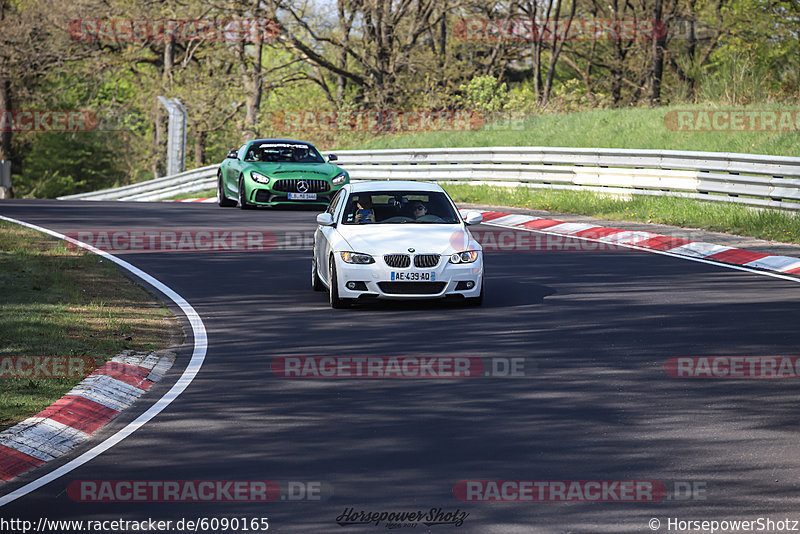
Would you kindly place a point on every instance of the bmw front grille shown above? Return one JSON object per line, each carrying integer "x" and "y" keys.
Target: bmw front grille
{"x": 398, "y": 261}
{"x": 426, "y": 261}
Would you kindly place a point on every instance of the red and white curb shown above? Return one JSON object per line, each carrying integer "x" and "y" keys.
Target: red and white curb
{"x": 785, "y": 265}
{"x": 203, "y": 200}
{"x": 87, "y": 407}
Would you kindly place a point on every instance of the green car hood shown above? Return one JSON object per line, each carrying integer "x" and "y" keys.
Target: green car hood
{"x": 291, "y": 170}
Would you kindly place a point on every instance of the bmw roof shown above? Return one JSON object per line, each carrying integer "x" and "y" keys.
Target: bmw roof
{"x": 393, "y": 185}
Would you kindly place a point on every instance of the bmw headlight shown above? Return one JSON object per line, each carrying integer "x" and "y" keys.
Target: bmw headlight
{"x": 464, "y": 257}
{"x": 258, "y": 177}
{"x": 357, "y": 258}
{"x": 339, "y": 179}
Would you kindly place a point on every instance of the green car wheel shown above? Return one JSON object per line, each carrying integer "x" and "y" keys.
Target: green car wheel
{"x": 222, "y": 200}
{"x": 243, "y": 204}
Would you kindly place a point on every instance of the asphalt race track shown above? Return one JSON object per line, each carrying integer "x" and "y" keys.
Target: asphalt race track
{"x": 594, "y": 404}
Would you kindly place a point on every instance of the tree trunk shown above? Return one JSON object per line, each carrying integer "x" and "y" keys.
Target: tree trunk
{"x": 5, "y": 105}
{"x": 169, "y": 62}
{"x": 536, "y": 49}
{"x": 254, "y": 86}
{"x": 5, "y": 136}
{"x": 158, "y": 151}
{"x": 5, "y": 102}
{"x": 556, "y": 51}
{"x": 691, "y": 51}
{"x": 159, "y": 148}
{"x": 657, "y": 72}
{"x": 341, "y": 52}
{"x": 200, "y": 147}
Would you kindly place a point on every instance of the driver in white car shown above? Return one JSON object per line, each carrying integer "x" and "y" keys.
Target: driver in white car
{"x": 420, "y": 209}
{"x": 364, "y": 211}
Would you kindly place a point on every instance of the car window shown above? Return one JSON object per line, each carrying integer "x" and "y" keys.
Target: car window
{"x": 335, "y": 202}
{"x": 241, "y": 151}
{"x": 399, "y": 207}
{"x": 273, "y": 152}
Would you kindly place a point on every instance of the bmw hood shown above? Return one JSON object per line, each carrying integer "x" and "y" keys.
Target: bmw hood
{"x": 379, "y": 239}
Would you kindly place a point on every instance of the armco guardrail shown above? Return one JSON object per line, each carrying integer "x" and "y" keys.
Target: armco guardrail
{"x": 757, "y": 180}
{"x": 160, "y": 188}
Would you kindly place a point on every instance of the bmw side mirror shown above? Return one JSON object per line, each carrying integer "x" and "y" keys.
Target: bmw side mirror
{"x": 325, "y": 219}
{"x": 333, "y": 157}
{"x": 233, "y": 154}
{"x": 473, "y": 217}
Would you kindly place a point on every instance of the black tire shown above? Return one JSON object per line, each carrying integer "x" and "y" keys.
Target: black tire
{"x": 316, "y": 283}
{"x": 222, "y": 200}
{"x": 243, "y": 204}
{"x": 333, "y": 289}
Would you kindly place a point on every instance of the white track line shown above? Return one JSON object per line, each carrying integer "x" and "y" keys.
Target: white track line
{"x": 662, "y": 252}
{"x": 198, "y": 355}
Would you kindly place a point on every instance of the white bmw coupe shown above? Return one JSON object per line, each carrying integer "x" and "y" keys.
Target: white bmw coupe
{"x": 396, "y": 240}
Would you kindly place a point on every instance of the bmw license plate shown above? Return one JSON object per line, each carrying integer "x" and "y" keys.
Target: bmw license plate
{"x": 413, "y": 277}
{"x": 302, "y": 196}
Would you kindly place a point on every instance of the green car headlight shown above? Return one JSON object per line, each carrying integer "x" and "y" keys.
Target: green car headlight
{"x": 357, "y": 258}
{"x": 260, "y": 178}
{"x": 339, "y": 179}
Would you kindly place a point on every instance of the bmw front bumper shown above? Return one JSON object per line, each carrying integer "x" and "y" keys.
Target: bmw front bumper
{"x": 379, "y": 280}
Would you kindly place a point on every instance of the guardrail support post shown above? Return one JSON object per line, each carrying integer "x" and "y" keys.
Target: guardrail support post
{"x": 5, "y": 179}
{"x": 176, "y": 137}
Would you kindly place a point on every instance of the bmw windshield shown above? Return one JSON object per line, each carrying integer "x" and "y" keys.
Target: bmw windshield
{"x": 399, "y": 207}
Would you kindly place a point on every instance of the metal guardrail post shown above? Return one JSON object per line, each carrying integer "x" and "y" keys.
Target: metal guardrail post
{"x": 176, "y": 136}
{"x": 5, "y": 178}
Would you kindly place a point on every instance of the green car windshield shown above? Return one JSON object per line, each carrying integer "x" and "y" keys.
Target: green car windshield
{"x": 399, "y": 207}
{"x": 283, "y": 153}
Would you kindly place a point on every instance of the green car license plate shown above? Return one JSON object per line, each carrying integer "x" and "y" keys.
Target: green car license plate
{"x": 302, "y": 196}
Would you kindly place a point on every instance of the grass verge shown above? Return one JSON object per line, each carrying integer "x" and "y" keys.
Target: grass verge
{"x": 59, "y": 301}
{"x": 636, "y": 128}
{"x": 687, "y": 213}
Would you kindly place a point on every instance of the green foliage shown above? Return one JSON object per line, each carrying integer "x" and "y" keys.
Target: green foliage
{"x": 571, "y": 95}
{"x": 61, "y": 164}
{"x": 484, "y": 94}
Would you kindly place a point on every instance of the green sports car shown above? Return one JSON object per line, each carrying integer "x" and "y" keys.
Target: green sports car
{"x": 273, "y": 172}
